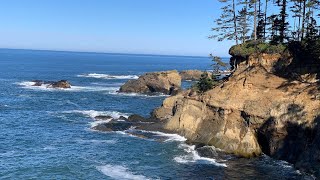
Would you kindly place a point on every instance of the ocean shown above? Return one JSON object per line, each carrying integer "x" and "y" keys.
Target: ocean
{"x": 45, "y": 133}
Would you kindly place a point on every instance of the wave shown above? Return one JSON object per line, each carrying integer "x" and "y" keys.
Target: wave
{"x": 30, "y": 85}
{"x": 136, "y": 94}
{"x": 95, "y": 141}
{"x": 92, "y": 114}
{"x": 193, "y": 157}
{"x": 119, "y": 172}
{"x": 108, "y": 76}
{"x": 170, "y": 137}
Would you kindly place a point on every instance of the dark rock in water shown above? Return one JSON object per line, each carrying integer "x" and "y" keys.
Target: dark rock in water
{"x": 52, "y": 84}
{"x": 37, "y": 82}
{"x": 60, "y": 84}
{"x": 167, "y": 82}
{"x": 136, "y": 118}
{"x": 207, "y": 151}
{"x": 122, "y": 118}
{"x": 102, "y": 117}
{"x": 113, "y": 126}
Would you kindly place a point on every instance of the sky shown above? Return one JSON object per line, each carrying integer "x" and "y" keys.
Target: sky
{"x": 168, "y": 27}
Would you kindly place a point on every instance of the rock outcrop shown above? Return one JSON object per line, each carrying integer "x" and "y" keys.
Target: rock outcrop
{"x": 192, "y": 75}
{"x": 53, "y": 84}
{"x": 253, "y": 112}
{"x": 167, "y": 82}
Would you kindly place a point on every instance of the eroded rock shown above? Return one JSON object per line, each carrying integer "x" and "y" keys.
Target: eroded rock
{"x": 167, "y": 82}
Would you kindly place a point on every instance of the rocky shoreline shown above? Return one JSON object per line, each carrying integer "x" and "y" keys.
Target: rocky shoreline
{"x": 254, "y": 111}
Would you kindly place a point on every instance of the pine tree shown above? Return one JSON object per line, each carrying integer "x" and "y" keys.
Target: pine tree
{"x": 243, "y": 24}
{"x": 283, "y": 24}
{"x": 227, "y": 22}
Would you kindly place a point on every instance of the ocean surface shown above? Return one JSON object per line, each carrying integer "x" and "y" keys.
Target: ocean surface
{"x": 45, "y": 133}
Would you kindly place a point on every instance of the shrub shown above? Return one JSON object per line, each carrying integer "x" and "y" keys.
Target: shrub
{"x": 256, "y": 47}
{"x": 205, "y": 83}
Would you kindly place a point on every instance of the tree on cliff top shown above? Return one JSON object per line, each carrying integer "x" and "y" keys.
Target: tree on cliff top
{"x": 289, "y": 20}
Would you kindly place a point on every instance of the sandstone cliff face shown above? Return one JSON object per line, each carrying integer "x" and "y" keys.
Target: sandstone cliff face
{"x": 254, "y": 111}
{"x": 268, "y": 61}
{"x": 167, "y": 82}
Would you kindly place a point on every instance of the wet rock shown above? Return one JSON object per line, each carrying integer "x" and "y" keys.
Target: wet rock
{"x": 207, "y": 151}
{"x": 102, "y": 117}
{"x": 52, "y": 84}
{"x": 113, "y": 126}
{"x": 38, "y": 83}
{"x": 60, "y": 84}
{"x": 122, "y": 118}
{"x": 167, "y": 82}
{"x": 136, "y": 118}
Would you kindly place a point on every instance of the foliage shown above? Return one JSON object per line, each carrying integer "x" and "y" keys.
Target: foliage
{"x": 288, "y": 20}
{"x": 256, "y": 47}
{"x": 205, "y": 83}
{"x": 226, "y": 24}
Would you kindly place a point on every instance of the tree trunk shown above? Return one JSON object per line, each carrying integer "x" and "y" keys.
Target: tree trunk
{"x": 303, "y": 19}
{"x": 235, "y": 21}
{"x": 255, "y": 20}
{"x": 265, "y": 20}
{"x": 299, "y": 24}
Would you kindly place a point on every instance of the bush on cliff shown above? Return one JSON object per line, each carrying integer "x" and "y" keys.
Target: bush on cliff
{"x": 205, "y": 83}
{"x": 256, "y": 47}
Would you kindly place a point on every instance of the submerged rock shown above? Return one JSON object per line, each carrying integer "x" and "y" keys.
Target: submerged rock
{"x": 113, "y": 126}
{"x": 136, "y": 118}
{"x": 52, "y": 84}
{"x": 167, "y": 82}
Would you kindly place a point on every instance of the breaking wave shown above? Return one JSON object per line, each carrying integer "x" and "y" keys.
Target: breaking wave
{"x": 44, "y": 87}
{"x": 192, "y": 156}
{"x": 119, "y": 172}
{"x": 108, "y": 76}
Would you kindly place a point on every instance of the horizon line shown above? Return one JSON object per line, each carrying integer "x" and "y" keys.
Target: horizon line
{"x": 111, "y": 53}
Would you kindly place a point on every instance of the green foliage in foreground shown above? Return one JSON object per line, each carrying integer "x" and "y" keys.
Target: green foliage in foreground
{"x": 256, "y": 47}
{"x": 206, "y": 83}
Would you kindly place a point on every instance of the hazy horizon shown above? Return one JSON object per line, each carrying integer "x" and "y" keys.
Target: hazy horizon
{"x": 114, "y": 26}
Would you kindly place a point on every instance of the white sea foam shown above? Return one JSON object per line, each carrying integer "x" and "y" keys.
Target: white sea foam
{"x": 48, "y": 148}
{"x": 135, "y": 94}
{"x": 119, "y": 172}
{"x": 92, "y": 114}
{"x": 192, "y": 156}
{"x": 108, "y": 76}
{"x": 171, "y": 137}
{"x": 44, "y": 87}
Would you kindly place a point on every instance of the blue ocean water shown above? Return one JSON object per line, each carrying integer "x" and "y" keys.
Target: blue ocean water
{"x": 45, "y": 133}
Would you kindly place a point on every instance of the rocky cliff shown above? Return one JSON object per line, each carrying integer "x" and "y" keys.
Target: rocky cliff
{"x": 253, "y": 112}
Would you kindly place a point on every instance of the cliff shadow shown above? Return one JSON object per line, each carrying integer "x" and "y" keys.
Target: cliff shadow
{"x": 296, "y": 143}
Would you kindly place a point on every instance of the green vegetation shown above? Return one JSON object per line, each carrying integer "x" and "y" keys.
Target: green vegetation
{"x": 261, "y": 30}
{"x": 205, "y": 83}
{"x": 256, "y": 47}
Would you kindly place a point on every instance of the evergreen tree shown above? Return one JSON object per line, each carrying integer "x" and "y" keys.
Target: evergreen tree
{"x": 227, "y": 22}
{"x": 243, "y": 24}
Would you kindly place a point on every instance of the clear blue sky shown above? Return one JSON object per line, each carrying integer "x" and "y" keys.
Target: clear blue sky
{"x": 178, "y": 27}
